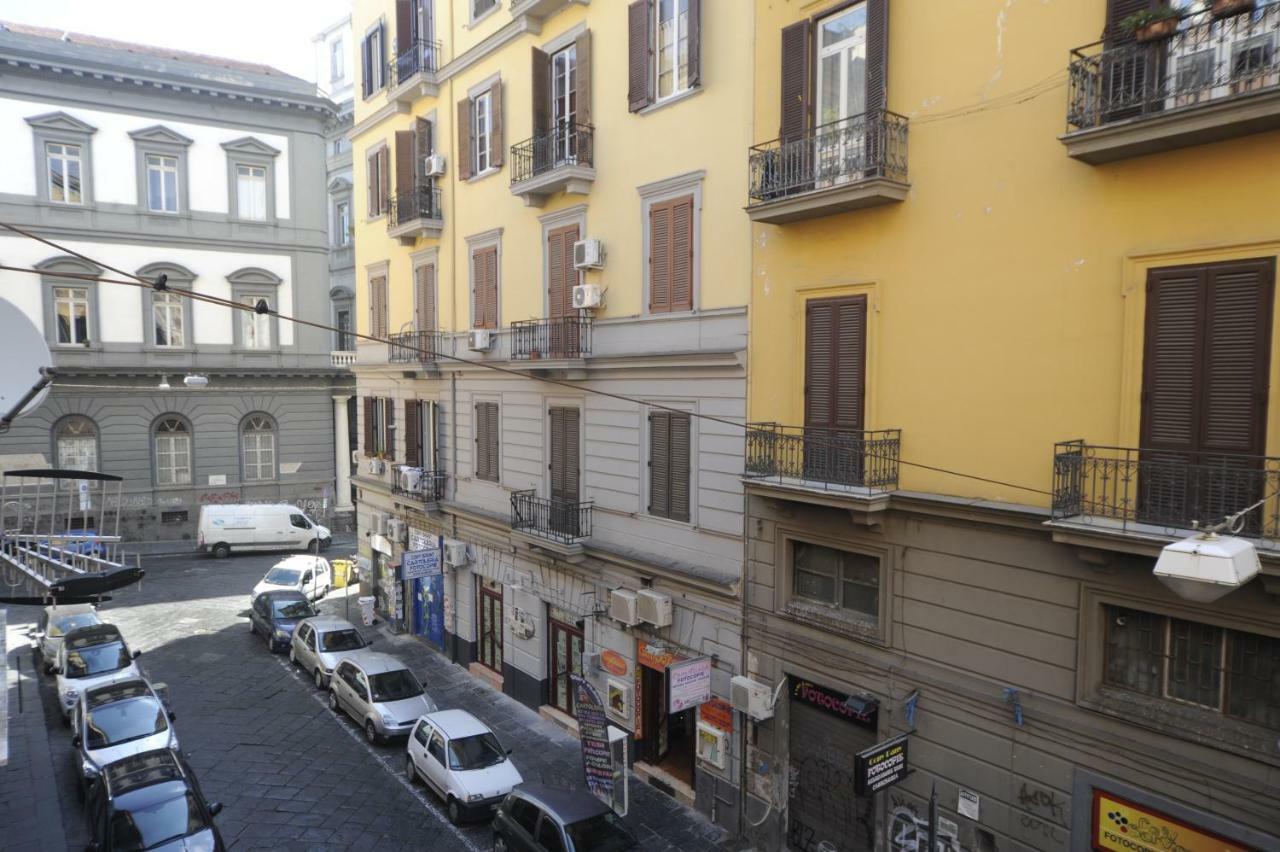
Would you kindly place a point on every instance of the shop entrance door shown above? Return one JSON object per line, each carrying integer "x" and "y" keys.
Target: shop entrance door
{"x": 654, "y": 690}
{"x": 419, "y": 607}
{"x": 566, "y": 661}
{"x": 490, "y": 619}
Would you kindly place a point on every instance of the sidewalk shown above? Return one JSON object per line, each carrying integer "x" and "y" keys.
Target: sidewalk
{"x": 542, "y": 750}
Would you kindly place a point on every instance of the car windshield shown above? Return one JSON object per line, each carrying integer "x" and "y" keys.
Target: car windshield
{"x": 475, "y": 752}
{"x": 292, "y": 609}
{"x": 84, "y": 662}
{"x": 122, "y": 721}
{"x": 62, "y": 625}
{"x": 395, "y": 686}
{"x": 601, "y": 833}
{"x": 283, "y": 576}
{"x": 341, "y": 640}
{"x": 157, "y": 824}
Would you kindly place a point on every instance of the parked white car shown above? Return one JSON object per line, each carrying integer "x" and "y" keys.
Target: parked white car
{"x": 91, "y": 657}
{"x": 319, "y": 644}
{"x": 116, "y": 721}
{"x": 258, "y": 526}
{"x": 462, "y": 761}
{"x": 307, "y": 575}
{"x": 56, "y": 622}
{"x": 378, "y": 692}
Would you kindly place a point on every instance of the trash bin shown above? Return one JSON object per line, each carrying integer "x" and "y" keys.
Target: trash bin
{"x": 344, "y": 571}
{"x": 366, "y": 610}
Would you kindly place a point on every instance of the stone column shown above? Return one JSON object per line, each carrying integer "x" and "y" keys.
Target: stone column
{"x": 342, "y": 445}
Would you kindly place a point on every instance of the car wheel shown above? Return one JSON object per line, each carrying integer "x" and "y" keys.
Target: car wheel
{"x": 333, "y": 701}
{"x": 325, "y": 542}
{"x": 293, "y": 655}
{"x": 410, "y": 771}
{"x": 319, "y": 679}
{"x": 499, "y": 843}
{"x": 221, "y": 550}
{"x": 454, "y": 811}
{"x": 314, "y": 546}
{"x": 370, "y": 732}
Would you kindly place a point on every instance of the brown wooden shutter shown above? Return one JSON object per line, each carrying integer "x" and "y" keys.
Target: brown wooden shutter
{"x": 877, "y": 73}
{"x": 384, "y": 180}
{"x": 796, "y": 95}
{"x": 660, "y": 256}
{"x": 480, "y": 463}
{"x": 370, "y": 184}
{"x": 412, "y": 431}
{"x": 1170, "y": 364}
{"x": 486, "y": 426}
{"x": 835, "y": 363}
{"x": 541, "y": 82}
{"x": 406, "y": 146}
{"x": 404, "y": 26}
{"x": 491, "y": 287}
{"x": 682, "y": 259}
{"x": 380, "y": 58}
{"x": 425, "y": 297}
{"x": 378, "y": 306}
{"x": 561, "y": 274}
{"x": 678, "y": 442}
{"x": 695, "y": 43}
{"x": 639, "y": 54}
{"x": 366, "y": 65}
{"x": 464, "y": 139}
{"x": 564, "y": 454}
{"x": 660, "y": 464}
{"x": 368, "y": 425}
{"x": 496, "y": 148}
{"x": 477, "y": 289}
{"x": 389, "y": 436}
{"x": 1117, "y": 11}
{"x": 582, "y": 80}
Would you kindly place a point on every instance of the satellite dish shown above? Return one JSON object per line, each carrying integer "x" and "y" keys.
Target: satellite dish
{"x": 28, "y": 366}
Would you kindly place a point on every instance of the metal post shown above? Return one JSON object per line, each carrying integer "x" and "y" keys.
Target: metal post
{"x": 933, "y": 818}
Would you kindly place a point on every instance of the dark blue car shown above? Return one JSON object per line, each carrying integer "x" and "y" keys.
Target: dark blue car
{"x": 274, "y": 615}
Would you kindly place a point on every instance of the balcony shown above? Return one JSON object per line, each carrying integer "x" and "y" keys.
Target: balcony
{"x": 426, "y": 486}
{"x": 554, "y": 339}
{"x": 1214, "y": 79}
{"x": 559, "y": 160}
{"x": 344, "y": 358}
{"x": 1158, "y": 495}
{"x": 415, "y": 213}
{"x": 540, "y": 9}
{"x": 858, "y": 162}
{"x": 547, "y": 519}
{"x": 862, "y": 465}
{"x": 412, "y": 72}
{"x": 414, "y": 347}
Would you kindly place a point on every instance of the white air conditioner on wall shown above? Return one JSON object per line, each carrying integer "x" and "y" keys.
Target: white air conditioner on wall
{"x": 356, "y": 455}
{"x": 751, "y": 697}
{"x": 588, "y": 254}
{"x": 654, "y": 607}
{"x": 455, "y": 553}
{"x": 586, "y": 296}
{"x": 480, "y": 339}
{"x": 377, "y": 467}
{"x": 397, "y": 530}
{"x": 378, "y": 523}
{"x": 410, "y": 478}
{"x": 623, "y": 607}
{"x": 591, "y": 661}
{"x": 433, "y": 165}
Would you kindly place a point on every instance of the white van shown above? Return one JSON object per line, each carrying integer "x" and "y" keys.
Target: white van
{"x": 258, "y": 526}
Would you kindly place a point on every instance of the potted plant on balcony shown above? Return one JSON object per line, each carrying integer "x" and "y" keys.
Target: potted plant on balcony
{"x": 1152, "y": 24}
{"x": 1228, "y": 8}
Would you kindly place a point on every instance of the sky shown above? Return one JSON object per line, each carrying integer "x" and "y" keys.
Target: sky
{"x": 273, "y": 32}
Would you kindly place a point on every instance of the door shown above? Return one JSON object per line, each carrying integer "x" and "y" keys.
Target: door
{"x": 299, "y": 528}
{"x": 360, "y": 692}
{"x": 437, "y": 765}
{"x": 834, "y": 388}
{"x": 417, "y": 747}
{"x": 840, "y": 70}
{"x": 566, "y": 661}
{"x": 824, "y": 810}
{"x": 653, "y": 689}
{"x": 564, "y": 105}
{"x": 490, "y": 618}
{"x": 564, "y": 470}
{"x": 308, "y": 585}
{"x": 419, "y": 607}
{"x": 562, "y": 277}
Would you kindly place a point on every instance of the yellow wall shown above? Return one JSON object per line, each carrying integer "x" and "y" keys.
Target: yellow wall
{"x": 1006, "y": 290}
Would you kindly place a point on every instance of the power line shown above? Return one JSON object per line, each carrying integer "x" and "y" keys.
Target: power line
{"x": 160, "y": 284}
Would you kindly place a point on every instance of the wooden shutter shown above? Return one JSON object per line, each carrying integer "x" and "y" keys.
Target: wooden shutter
{"x": 877, "y": 73}
{"x": 1117, "y": 11}
{"x": 682, "y": 259}
{"x": 541, "y": 81}
{"x": 478, "y": 288}
{"x": 695, "y": 43}
{"x": 380, "y": 58}
{"x": 366, "y": 76}
{"x": 486, "y": 426}
{"x": 564, "y": 454}
{"x": 495, "y": 125}
{"x": 1170, "y": 363}
{"x": 835, "y": 363}
{"x": 368, "y": 425}
{"x": 412, "y": 433}
{"x": 464, "y": 139}
{"x": 796, "y": 94}
{"x": 582, "y": 81}
{"x": 389, "y": 434}
{"x": 378, "y": 306}
{"x": 561, "y": 274}
{"x": 424, "y": 297}
{"x": 491, "y": 287}
{"x": 406, "y": 145}
{"x": 639, "y": 54}
{"x": 404, "y": 26}
{"x": 678, "y": 442}
{"x": 660, "y": 257}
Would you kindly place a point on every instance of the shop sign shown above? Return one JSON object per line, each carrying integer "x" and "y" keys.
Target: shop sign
{"x": 655, "y": 656}
{"x": 1121, "y": 825}
{"x": 614, "y": 663}
{"x": 593, "y": 732}
{"x": 851, "y": 708}
{"x": 415, "y": 564}
{"x": 688, "y": 683}
{"x": 717, "y": 713}
{"x": 880, "y": 766}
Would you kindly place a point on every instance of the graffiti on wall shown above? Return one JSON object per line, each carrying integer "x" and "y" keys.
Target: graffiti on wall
{"x": 909, "y": 832}
{"x": 219, "y": 498}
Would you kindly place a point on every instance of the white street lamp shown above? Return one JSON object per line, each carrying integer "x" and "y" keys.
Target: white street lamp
{"x": 1207, "y": 566}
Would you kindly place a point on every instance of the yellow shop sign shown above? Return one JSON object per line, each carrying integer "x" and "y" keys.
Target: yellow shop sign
{"x": 1125, "y": 827}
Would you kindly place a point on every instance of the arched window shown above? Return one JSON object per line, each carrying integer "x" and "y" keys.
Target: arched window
{"x": 258, "y": 443}
{"x": 173, "y": 451}
{"x": 76, "y": 443}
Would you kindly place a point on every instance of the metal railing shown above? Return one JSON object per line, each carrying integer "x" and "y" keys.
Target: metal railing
{"x": 825, "y": 457}
{"x": 565, "y": 144}
{"x": 564, "y": 521}
{"x": 1206, "y": 60}
{"x": 411, "y": 347}
{"x": 559, "y": 337}
{"x": 1170, "y": 491}
{"x": 420, "y": 202}
{"x": 870, "y": 145}
{"x": 419, "y": 484}
{"x": 418, "y": 57}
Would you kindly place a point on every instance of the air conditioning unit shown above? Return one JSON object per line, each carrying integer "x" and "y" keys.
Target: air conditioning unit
{"x": 586, "y": 296}
{"x": 356, "y": 455}
{"x": 654, "y": 607}
{"x": 480, "y": 339}
{"x": 588, "y": 254}
{"x": 713, "y": 745}
{"x": 410, "y": 478}
{"x": 397, "y": 530}
{"x": 377, "y": 467}
{"x": 455, "y": 553}
{"x": 623, "y": 605}
{"x": 591, "y": 661}
{"x": 751, "y": 697}
{"x": 433, "y": 165}
{"x": 378, "y": 523}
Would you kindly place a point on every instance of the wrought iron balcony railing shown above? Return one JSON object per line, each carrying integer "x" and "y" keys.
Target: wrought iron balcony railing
{"x": 420, "y": 202}
{"x": 419, "y": 484}
{"x": 417, "y": 57}
{"x": 1163, "y": 492}
{"x": 1207, "y": 60}
{"x": 563, "y": 145}
{"x": 825, "y": 458}
{"x": 559, "y": 337}
{"x": 870, "y": 145}
{"x": 413, "y": 347}
{"x": 562, "y": 521}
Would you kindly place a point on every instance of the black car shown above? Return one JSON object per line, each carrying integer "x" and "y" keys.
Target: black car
{"x": 151, "y": 801}
{"x": 274, "y": 615}
{"x": 538, "y": 818}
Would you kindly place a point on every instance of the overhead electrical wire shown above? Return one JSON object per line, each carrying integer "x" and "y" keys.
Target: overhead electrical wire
{"x": 160, "y": 284}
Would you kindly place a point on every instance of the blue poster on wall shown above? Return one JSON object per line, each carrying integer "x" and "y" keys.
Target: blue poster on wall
{"x": 433, "y": 591}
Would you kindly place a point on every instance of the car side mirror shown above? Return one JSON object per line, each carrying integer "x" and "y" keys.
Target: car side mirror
{"x": 77, "y": 741}
{"x": 137, "y": 654}
{"x": 173, "y": 717}
{"x": 215, "y": 808}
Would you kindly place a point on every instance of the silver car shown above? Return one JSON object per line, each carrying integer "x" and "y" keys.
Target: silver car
{"x": 55, "y": 623}
{"x": 116, "y": 721}
{"x": 320, "y": 643}
{"x": 379, "y": 693}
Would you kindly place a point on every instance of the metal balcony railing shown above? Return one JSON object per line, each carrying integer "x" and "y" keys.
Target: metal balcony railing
{"x": 412, "y": 347}
{"x": 560, "y": 337}
{"x": 420, "y": 202}
{"x": 419, "y": 484}
{"x": 1207, "y": 60}
{"x": 565, "y": 144}
{"x": 1163, "y": 491}
{"x": 561, "y": 521}
{"x": 870, "y": 145}
{"x": 417, "y": 57}
{"x": 824, "y": 458}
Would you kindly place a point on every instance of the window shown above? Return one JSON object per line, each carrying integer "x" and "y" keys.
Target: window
{"x": 525, "y": 813}
{"x": 64, "y": 173}
{"x": 564, "y": 465}
{"x": 671, "y": 260}
{"x": 376, "y": 184}
{"x": 166, "y": 312}
{"x": 173, "y": 452}
{"x": 337, "y": 63}
{"x": 481, "y": 7}
{"x": 251, "y": 192}
{"x": 379, "y": 427}
{"x": 419, "y": 434}
{"x": 378, "y": 306}
{"x": 835, "y": 372}
{"x": 549, "y": 835}
{"x": 258, "y": 448}
{"x": 342, "y": 319}
{"x": 1226, "y": 671}
{"x": 669, "y": 465}
{"x": 484, "y": 287}
{"x": 162, "y": 183}
{"x": 255, "y": 328}
{"x": 71, "y": 311}
{"x": 481, "y": 127}
{"x": 342, "y": 223}
{"x": 422, "y": 733}
{"x": 436, "y": 749}
{"x": 424, "y": 297}
{"x": 486, "y": 438}
{"x": 663, "y": 50}
{"x": 374, "y": 62}
{"x": 564, "y": 104}
{"x": 672, "y": 28}
{"x": 837, "y": 578}
{"x": 76, "y": 440}
{"x": 480, "y": 149}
